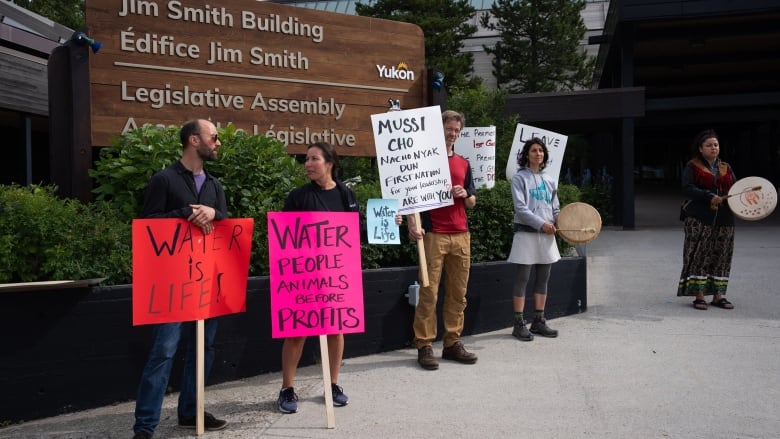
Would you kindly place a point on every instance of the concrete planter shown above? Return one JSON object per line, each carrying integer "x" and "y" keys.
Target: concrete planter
{"x": 73, "y": 349}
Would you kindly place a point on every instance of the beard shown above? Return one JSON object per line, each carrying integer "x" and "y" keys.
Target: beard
{"x": 207, "y": 154}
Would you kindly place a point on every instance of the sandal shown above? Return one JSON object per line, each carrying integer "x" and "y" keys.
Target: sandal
{"x": 722, "y": 303}
{"x": 700, "y": 304}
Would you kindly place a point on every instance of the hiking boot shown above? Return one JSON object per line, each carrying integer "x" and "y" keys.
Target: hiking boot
{"x": 522, "y": 332}
{"x": 426, "y": 359}
{"x": 539, "y": 326}
{"x": 210, "y": 423}
{"x": 457, "y": 352}
{"x": 288, "y": 400}
{"x": 142, "y": 435}
{"x": 339, "y": 398}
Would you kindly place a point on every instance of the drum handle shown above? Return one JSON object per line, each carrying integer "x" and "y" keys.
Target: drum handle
{"x": 586, "y": 229}
{"x": 750, "y": 189}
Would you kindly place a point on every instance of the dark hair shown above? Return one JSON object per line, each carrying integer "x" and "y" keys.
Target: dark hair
{"x": 698, "y": 141}
{"x": 522, "y": 156}
{"x": 189, "y": 128}
{"x": 329, "y": 154}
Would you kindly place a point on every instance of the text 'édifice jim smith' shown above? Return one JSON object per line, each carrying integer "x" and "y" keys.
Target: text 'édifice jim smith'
{"x": 166, "y": 45}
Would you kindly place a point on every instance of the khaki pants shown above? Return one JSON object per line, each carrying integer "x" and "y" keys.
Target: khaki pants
{"x": 452, "y": 253}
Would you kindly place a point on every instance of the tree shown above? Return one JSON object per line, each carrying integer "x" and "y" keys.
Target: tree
{"x": 445, "y": 24}
{"x": 484, "y": 107}
{"x": 539, "y": 45}
{"x": 70, "y": 13}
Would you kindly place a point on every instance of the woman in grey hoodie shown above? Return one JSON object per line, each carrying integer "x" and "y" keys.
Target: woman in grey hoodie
{"x": 535, "y": 197}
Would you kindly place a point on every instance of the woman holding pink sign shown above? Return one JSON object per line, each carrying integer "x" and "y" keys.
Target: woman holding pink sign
{"x": 327, "y": 193}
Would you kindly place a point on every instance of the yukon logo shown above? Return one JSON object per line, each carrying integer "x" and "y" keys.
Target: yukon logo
{"x": 400, "y": 72}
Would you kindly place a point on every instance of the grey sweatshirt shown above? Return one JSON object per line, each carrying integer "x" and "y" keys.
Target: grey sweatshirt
{"x": 535, "y": 197}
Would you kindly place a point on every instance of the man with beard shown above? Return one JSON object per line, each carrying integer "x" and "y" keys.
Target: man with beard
{"x": 182, "y": 190}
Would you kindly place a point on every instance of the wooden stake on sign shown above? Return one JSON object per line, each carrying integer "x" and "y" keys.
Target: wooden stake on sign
{"x": 199, "y": 377}
{"x": 326, "y": 381}
{"x": 414, "y": 221}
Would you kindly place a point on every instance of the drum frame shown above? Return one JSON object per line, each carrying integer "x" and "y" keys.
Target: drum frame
{"x": 582, "y": 228}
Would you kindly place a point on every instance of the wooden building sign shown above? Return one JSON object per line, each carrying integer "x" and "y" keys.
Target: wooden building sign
{"x": 295, "y": 74}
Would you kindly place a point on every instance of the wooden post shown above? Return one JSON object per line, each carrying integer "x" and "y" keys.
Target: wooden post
{"x": 326, "y": 381}
{"x": 70, "y": 141}
{"x": 414, "y": 221}
{"x": 199, "y": 376}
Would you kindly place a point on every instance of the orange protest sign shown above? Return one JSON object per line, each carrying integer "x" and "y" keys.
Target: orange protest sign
{"x": 181, "y": 274}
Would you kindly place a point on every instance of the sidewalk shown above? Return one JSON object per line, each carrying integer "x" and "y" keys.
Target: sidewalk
{"x": 640, "y": 363}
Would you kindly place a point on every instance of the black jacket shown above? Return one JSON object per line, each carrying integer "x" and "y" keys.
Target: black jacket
{"x": 305, "y": 199}
{"x": 699, "y": 194}
{"x": 172, "y": 190}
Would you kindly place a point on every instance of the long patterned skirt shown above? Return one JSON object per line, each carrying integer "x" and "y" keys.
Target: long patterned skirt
{"x": 706, "y": 259}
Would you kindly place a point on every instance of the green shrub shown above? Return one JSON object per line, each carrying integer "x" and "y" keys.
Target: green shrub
{"x": 43, "y": 237}
{"x": 364, "y": 167}
{"x": 256, "y": 172}
{"x": 491, "y": 223}
{"x": 485, "y": 107}
{"x": 46, "y": 238}
{"x": 123, "y": 170}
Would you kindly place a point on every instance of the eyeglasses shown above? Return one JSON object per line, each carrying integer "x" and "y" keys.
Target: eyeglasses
{"x": 214, "y": 137}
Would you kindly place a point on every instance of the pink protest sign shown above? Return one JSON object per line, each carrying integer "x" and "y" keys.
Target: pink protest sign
{"x": 315, "y": 272}
{"x": 180, "y": 274}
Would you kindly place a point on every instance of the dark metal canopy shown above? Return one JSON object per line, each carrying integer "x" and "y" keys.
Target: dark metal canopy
{"x": 667, "y": 69}
{"x": 694, "y": 48}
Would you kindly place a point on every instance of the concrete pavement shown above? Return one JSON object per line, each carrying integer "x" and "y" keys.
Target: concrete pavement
{"x": 640, "y": 363}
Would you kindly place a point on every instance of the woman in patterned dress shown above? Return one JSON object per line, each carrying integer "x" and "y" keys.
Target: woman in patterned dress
{"x": 708, "y": 224}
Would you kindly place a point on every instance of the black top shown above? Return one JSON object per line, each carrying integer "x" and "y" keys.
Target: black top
{"x": 312, "y": 198}
{"x": 172, "y": 190}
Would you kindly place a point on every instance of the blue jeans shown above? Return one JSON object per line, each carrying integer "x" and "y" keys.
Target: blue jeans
{"x": 154, "y": 380}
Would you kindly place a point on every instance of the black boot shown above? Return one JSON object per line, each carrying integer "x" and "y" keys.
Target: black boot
{"x": 521, "y": 332}
{"x": 539, "y": 326}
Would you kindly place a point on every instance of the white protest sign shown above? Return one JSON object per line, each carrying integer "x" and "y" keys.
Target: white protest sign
{"x": 556, "y": 145}
{"x": 412, "y": 159}
{"x": 478, "y": 146}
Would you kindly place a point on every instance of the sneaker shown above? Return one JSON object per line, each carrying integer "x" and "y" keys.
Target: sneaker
{"x": 288, "y": 400}
{"x": 210, "y": 423}
{"x": 426, "y": 359}
{"x": 142, "y": 435}
{"x": 457, "y": 352}
{"x": 339, "y": 398}
{"x": 522, "y": 332}
{"x": 539, "y": 326}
